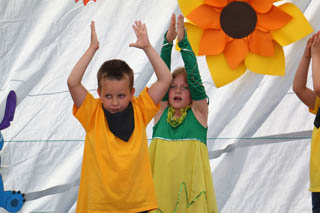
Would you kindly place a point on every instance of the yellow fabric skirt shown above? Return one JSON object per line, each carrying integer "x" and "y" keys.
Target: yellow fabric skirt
{"x": 182, "y": 176}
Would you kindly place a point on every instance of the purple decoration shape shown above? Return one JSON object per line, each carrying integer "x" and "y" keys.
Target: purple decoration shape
{"x": 1, "y": 145}
{"x": 9, "y": 111}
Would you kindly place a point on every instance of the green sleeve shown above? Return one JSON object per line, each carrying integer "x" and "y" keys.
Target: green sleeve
{"x": 196, "y": 87}
{"x": 166, "y": 51}
{"x": 166, "y": 57}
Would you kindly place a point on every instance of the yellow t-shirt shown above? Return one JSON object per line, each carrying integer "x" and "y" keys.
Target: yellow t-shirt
{"x": 315, "y": 154}
{"x": 116, "y": 175}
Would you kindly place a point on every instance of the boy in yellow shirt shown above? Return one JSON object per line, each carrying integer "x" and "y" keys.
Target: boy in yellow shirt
{"x": 116, "y": 175}
{"x": 311, "y": 98}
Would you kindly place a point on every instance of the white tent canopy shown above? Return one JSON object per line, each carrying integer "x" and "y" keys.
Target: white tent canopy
{"x": 259, "y": 131}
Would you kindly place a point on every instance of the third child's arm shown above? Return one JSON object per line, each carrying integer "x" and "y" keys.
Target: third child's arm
{"x": 315, "y": 53}
{"x": 160, "y": 87}
{"x": 77, "y": 90}
{"x": 306, "y": 95}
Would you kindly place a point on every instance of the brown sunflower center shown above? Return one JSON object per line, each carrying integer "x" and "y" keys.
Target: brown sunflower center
{"x": 238, "y": 19}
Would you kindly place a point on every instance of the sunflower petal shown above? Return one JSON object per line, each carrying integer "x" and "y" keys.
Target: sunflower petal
{"x": 295, "y": 30}
{"x": 261, "y": 43}
{"x": 274, "y": 65}
{"x": 216, "y": 3}
{"x": 186, "y": 6}
{"x": 235, "y": 52}
{"x": 261, "y": 6}
{"x": 212, "y": 42}
{"x": 220, "y": 71}
{"x": 194, "y": 36}
{"x": 274, "y": 19}
{"x": 205, "y": 17}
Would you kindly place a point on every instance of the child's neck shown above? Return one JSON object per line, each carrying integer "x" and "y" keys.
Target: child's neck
{"x": 177, "y": 113}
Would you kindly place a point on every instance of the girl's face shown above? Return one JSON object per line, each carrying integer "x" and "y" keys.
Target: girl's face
{"x": 179, "y": 94}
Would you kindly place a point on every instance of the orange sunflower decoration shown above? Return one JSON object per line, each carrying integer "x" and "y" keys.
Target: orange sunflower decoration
{"x": 85, "y": 1}
{"x": 245, "y": 34}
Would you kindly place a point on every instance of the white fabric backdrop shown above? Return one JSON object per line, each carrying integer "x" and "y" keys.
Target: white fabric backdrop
{"x": 40, "y": 42}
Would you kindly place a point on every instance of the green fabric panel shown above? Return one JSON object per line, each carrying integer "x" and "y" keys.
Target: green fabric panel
{"x": 190, "y": 129}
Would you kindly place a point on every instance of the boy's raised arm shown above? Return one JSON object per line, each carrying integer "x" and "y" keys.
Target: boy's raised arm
{"x": 160, "y": 87}
{"x": 306, "y": 95}
{"x": 77, "y": 90}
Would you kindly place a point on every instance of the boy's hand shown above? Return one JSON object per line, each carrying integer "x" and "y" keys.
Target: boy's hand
{"x": 172, "y": 33}
{"x": 315, "y": 47}
{"x": 94, "y": 39}
{"x": 142, "y": 36}
{"x": 180, "y": 26}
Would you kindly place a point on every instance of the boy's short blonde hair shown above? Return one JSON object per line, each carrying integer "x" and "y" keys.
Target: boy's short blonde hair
{"x": 115, "y": 69}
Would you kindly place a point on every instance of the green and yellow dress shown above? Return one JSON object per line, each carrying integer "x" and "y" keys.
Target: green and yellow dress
{"x": 179, "y": 156}
{"x": 180, "y": 167}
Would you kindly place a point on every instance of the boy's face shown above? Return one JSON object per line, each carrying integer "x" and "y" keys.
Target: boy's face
{"x": 115, "y": 94}
{"x": 179, "y": 94}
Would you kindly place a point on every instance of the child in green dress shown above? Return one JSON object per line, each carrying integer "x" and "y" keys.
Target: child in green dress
{"x": 178, "y": 151}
